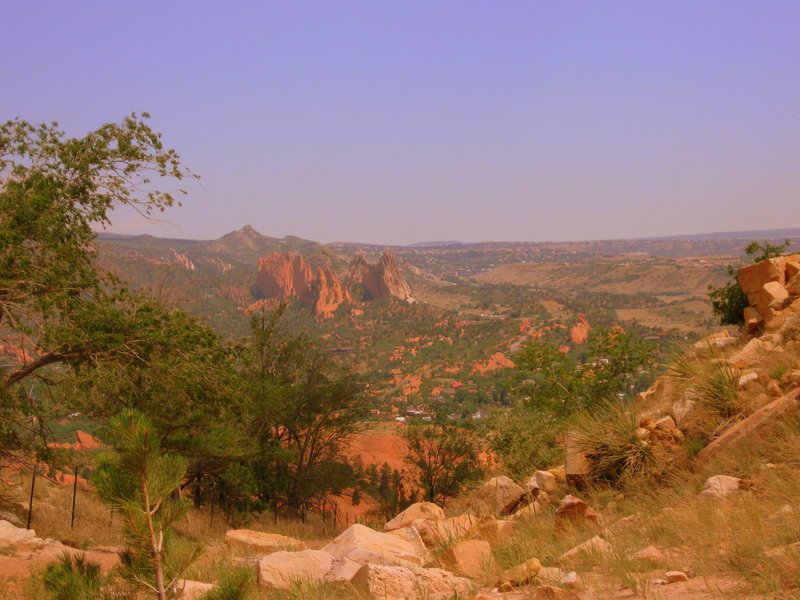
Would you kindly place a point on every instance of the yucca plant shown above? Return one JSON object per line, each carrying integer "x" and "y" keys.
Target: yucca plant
{"x": 73, "y": 577}
{"x": 708, "y": 380}
{"x": 607, "y": 435}
{"x": 141, "y": 482}
{"x": 233, "y": 584}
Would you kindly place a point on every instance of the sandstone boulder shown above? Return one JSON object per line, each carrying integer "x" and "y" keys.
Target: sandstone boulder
{"x": 541, "y": 480}
{"x": 522, "y": 573}
{"x": 720, "y": 339}
{"x": 280, "y": 570}
{"x": 364, "y": 545}
{"x": 596, "y": 546}
{"x": 753, "y": 277}
{"x": 574, "y": 511}
{"x": 773, "y": 296}
{"x": 412, "y": 536}
{"x": 18, "y": 537}
{"x": 418, "y": 510}
{"x": 403, "y": 583}
{"x": 498, "y": 496}
{"x": 650, "y": 554}
{"x": 720, "y": 486}
{"x": 444, "y": 531}
{"x": 261, "y": 541}
{"x": 793, "y": 286}
{"x": 192, "y": 590}
{"x": 492, "y": 530}
{"x": 470, "y": 558}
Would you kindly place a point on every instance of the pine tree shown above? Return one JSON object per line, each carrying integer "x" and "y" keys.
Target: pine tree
{"x": 141, "y": 482}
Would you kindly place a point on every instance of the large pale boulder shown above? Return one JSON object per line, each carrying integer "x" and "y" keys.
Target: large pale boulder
{"x": 412, "y": 536}
{"x": 364, "y": 545}
{"x": 280, "y": 570}
{"x": 521, "y": 573}
{"x": 261, "y": 541}
{"x": 721, "y": 486}
{"x": 382, "y": 582}
{"x": 498, "y": 496}
{"x": 751, "y": 428}
{"x": 17, "y": 536}
{"x": 470, "y": 558}
{"x": 418, "y": 510}
{"x": 444, "y": 531}
{"x": 541, "y": 480}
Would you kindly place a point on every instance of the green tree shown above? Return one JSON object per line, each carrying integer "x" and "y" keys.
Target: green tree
{"x": 729, "y": 301}
{"x": 54, "y": 190}
{"x": 442, "y": 457}
{"x": 304, "y": 407}
{"x": 141, "y": 482}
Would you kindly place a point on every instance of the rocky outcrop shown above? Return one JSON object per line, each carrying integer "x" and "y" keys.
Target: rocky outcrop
{"x": 402, "y": 583}
{"x": 381, "y": 279}
{"x": 770, "y": 285}
{"x": 579, "y": 333}
{"x": 498, "y": 496}
{"x": 363, "y": 545}
{"x": 290, "y": 276}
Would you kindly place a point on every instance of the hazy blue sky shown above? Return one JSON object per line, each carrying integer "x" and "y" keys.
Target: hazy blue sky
{"x": 398, "y": 122}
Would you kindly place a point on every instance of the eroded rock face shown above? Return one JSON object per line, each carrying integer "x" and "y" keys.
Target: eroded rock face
{"x": 381, "y": 279}
{"x": 290, "y": 276}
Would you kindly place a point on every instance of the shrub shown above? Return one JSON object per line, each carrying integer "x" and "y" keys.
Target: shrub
{"x": 232, "y": 585}
{"x": 607, "y": 435}
{"x": 709, "y": 381}
{"x": 73, "y": 577}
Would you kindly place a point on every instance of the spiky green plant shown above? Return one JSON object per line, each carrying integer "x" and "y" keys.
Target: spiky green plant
{"x": 607, "y": 435}
{"x": 73, "y": 577}
{"x": 234, "y": 584}
{"x": 707, "y": 379}
{"x": 141, "y": 483}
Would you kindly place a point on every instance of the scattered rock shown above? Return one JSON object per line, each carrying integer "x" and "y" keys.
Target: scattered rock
{"x": 470, "y": 558}
{"x": 681, "y": 410}
{"x": 750, "y": 355}
{"x": 577, "y": 465}
{"x": 747, "y": 378}
{"x": 412, "y": 536}
{"x": 773, "y": 389}
{"x": 493, "y": 530}
{"x": 418, "y": 510}
{"x": 364, "y": 545}
{"x": 650, "y": 554}
{"x": 791, "y": 550}
{"x": 522, "y": 573}
{"x": 574, "y": 511}
{"x": 559, "y": 473}
{"x": 280, "y": 569}
{"x": 261, "y": 541}
{"x": 403, "y": 583}
{"x": 498, "y": 496}
{"x": 720, "y": 486}
{"x": 192, "y": 590}
{"x": 541, "y": 480}
{"x": 665, "y": 424}
{"x": 675, "y": 576}
{"x": 784, "y": 511}
{"x": 596, "y": 546}
{"x": 549, "y": 592}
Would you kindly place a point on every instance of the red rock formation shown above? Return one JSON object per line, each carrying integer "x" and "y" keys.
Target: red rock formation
{"x": 180, "y": 260}
{"x": 580, "y": 331}
{"x": 287, "y": 276}
{"x": 496, "y": 361}
{"x": 382, "y": 279}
